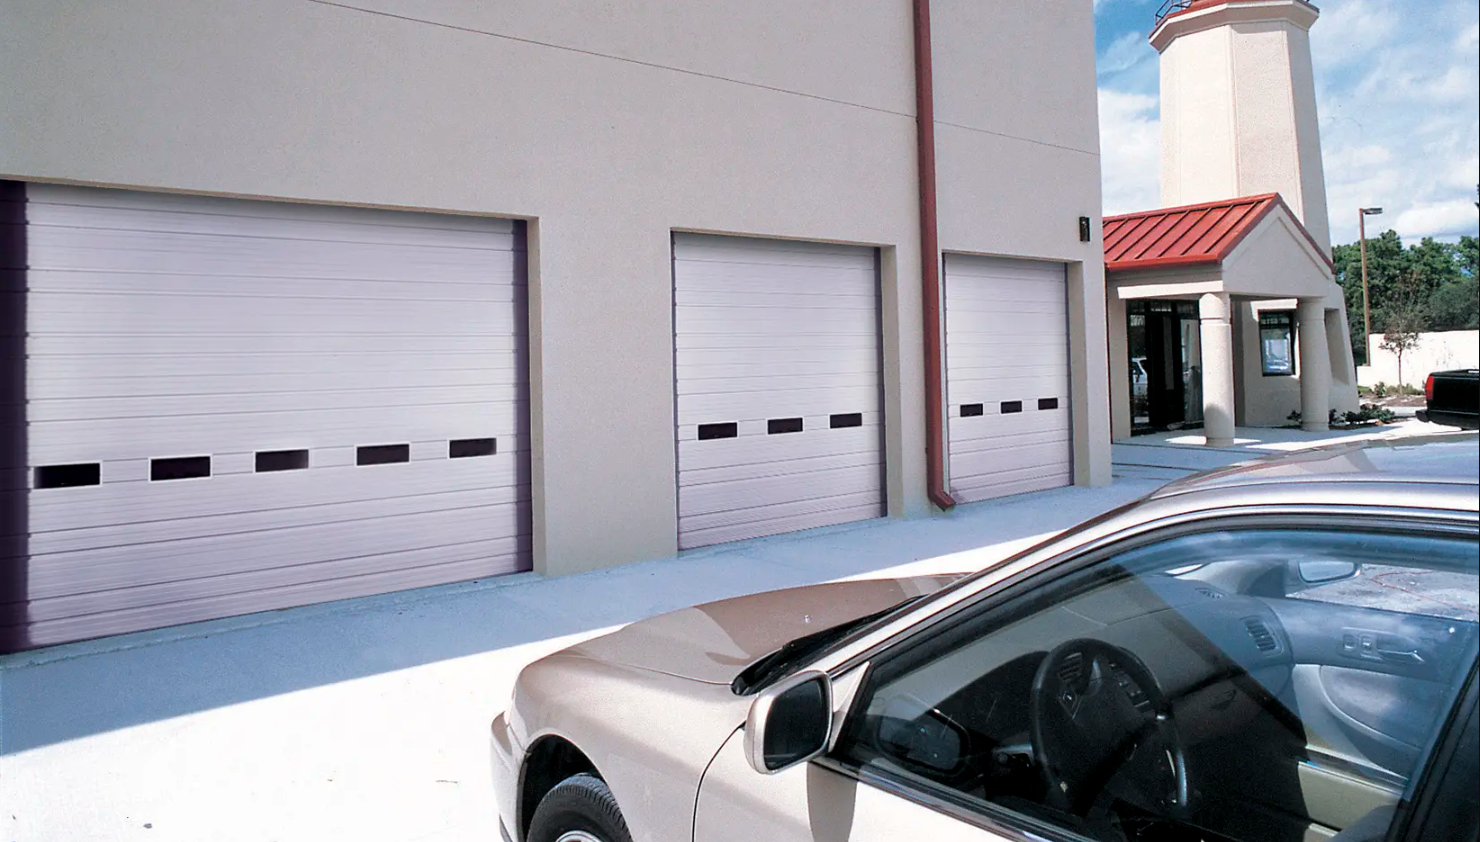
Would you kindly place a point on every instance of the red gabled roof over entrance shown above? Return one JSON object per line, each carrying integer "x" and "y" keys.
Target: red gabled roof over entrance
{"x": 1188, "y": 235}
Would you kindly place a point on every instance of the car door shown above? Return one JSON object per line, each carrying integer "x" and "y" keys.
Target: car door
{"x": 1146, "y": 691}
{"x": 1373, "y": 654}
{"x": 1377, "y": 631}
{"x": 814, "y": 802}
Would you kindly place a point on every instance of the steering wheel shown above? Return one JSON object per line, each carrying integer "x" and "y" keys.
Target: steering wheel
{"x": 1100, "y": 723}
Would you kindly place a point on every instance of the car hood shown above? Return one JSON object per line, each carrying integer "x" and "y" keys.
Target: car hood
{"x": 714, "y": 642}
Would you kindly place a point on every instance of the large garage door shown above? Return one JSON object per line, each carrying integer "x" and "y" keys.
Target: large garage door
{"x": 779, "y": 391}
{"x": 1007, "y": 363}
{"x": 236, "y": 406}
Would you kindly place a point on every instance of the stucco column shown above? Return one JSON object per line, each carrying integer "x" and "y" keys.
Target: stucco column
{"x": 1315, "y": 364}
{"x": 1217, "y": 357}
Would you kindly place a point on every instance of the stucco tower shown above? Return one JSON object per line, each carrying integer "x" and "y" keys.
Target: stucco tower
{"x": 1238, "y": 106}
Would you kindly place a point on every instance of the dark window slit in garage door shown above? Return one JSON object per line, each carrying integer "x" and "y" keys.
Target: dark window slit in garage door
{"x": 783, "y": 425}
{"x": 971, "y": 410}
{"x": 68, "y": 476}
{"x": 179, "y": 467}
{"x": 1011, "y": 406}
{"x": 1048, "y": 403}
{"x": 464, "y": 448}
{"x": 847, "y": 419}
{"x": 382, "y": 454}
{"x": 718, "y": 431}
{"x": 281, "y": 460}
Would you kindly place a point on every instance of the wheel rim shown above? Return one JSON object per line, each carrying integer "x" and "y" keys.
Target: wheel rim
{"x": 578, "y": 836}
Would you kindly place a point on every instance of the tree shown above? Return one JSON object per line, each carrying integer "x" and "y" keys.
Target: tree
{"x": 1437, "y": 263}
{"x": 1447, "y": 284}
{"x": 1456, "y": 305}
{"x": 1453, "y": 302}
{"x": 1469, "y": 256}
{"x": 1404, "y": 318}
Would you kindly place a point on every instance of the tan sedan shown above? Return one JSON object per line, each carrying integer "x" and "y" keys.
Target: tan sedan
{"x": 1281, "y": 651}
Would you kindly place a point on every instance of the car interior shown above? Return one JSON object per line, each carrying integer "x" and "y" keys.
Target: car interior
{"x": 1266, "y": 684}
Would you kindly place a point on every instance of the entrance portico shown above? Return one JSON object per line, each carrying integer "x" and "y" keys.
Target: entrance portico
{"x": 1269, "y": 320}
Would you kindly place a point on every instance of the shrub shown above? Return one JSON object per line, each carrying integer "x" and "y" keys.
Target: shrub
{"x": 1370, "y": 412}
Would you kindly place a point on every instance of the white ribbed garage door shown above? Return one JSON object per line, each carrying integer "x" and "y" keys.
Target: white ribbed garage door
{"x": 236, "y": 406}
{"x": 1007, "y": 364}
{"x": 779, "y": 391}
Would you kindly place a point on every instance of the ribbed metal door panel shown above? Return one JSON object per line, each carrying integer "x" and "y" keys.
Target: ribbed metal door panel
{"x": 167, "y": 326}
{"x": 1007, "y": 364}
{"x": 767, "y": 333}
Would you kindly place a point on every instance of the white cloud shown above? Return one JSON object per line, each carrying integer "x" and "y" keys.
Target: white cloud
{"x": 1437, "y": 219}
{"x": 1125, "y": 53}
{"x": 1399, "y": 99}
{"x": 1346, "y": 31}
{"x": 1469, "y": 39}
{"x": 1130, "y": 151}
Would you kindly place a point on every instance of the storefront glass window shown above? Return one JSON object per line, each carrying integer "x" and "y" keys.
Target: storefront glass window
{"x": 1277, "y": 343}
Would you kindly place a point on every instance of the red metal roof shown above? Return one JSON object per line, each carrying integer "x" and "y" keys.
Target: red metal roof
{"x": 1187, "y": 236}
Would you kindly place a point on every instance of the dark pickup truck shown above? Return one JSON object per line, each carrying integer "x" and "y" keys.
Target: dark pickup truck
{"x": 1453, "y": 398}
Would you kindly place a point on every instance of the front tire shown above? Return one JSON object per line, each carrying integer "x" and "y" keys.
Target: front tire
{"x": 580, "y": 808}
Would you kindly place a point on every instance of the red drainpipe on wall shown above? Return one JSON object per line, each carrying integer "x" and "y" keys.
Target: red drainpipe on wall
{"x": 935, "y": 474}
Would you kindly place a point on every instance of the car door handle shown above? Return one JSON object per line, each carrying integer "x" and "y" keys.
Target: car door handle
{"x": 1401, "y": 656}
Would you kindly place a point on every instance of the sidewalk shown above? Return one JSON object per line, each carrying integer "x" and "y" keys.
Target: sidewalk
{"x": 1168, "y": 456}
{"x": 366, "y": 720}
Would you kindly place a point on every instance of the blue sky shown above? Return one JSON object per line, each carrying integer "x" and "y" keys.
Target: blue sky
{"x": 1397, "y": 88}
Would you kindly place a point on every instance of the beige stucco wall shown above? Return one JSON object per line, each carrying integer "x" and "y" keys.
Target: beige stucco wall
{"x": 1197, "y": 120}
{"x": 608, "y": 126}
{"x": 1267, "y": 401}
{"x": 1275, "y": 260}
{"x": 1238, "y": 109}
{"x": 1437, "y": 351}
{"x": 1260, "y": 400}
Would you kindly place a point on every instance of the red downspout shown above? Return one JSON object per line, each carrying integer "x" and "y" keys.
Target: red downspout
{"x": 935, "y": 487}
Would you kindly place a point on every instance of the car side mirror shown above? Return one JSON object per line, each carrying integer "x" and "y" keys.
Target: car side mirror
{"x": 789, "y": 722}
{"x": 1321, "y": 571}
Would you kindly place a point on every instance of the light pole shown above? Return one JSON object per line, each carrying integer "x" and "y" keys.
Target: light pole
{"x": 1362, "y": 214}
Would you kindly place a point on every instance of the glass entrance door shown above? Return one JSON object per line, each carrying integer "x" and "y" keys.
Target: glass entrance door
{"x": 1165, "y": 364}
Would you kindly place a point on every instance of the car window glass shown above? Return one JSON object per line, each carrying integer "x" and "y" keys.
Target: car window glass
{"x": 1189, "y": 689}
{"x": 1409, "y": 588}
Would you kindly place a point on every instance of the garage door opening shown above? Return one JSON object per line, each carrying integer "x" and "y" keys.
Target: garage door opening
{"x": 778, "y": 387}
{"x": 1007, "y": 376}
{"x": 275, "y": 404}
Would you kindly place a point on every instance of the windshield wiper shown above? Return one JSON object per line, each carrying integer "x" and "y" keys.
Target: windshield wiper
{"x": 770, "y": 668}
